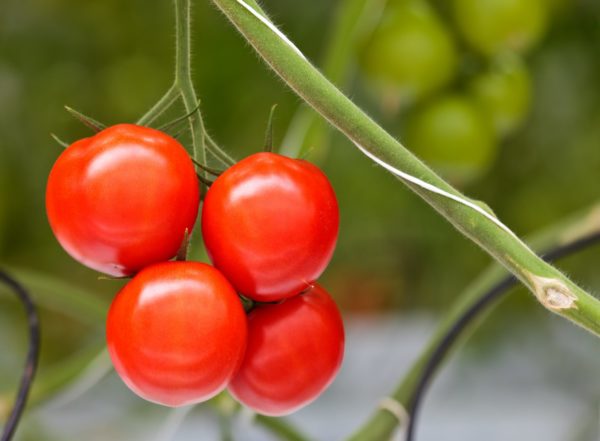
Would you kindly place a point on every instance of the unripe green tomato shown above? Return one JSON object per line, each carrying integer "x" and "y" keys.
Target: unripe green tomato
{"x": 492, "y": 26}
{"x": 504, "y": 92}
{"x": 454, "y": 136}
{"x": 411, "y": 53}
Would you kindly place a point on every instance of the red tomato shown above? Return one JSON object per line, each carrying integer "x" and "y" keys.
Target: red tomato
{"x": 295, "y": 349}
{"x": 122, "y": 199}
{"x": 270, "y": 224}
{"x": 176, "y": 333}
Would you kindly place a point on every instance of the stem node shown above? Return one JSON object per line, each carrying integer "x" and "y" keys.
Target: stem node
{"x": 553, "y": 294}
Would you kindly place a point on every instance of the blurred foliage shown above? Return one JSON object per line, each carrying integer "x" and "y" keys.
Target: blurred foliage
{"x": 112, "y": 59}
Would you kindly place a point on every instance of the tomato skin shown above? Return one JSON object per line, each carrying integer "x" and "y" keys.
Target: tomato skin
{"x": 176, "y": 333}
{"x": 295, "y": 349}
{"x": 270, "y": 224}
{"x": 122, "y": 199}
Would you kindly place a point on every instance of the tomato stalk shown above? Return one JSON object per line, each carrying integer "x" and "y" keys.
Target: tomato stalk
{"x": 183, "y": 88}
{"x": 550, "y": 287}
{"x": 183, "y": 76}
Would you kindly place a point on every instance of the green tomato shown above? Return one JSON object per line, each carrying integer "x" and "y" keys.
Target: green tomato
{"x": 492, "y": 26}
{"x": 453, "y": 136}
{"x": 504, "y": 92}
{"x": 411, "y": 53}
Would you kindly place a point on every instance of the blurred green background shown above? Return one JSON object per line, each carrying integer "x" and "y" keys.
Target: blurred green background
{"x": 113, "y": 59}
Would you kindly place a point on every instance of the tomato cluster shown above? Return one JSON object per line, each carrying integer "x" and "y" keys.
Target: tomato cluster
{"x": 460, "y": 100}
{"x": 123, "y": 201}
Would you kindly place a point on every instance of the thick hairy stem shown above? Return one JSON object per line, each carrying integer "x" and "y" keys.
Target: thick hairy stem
{"x": 549, "y": 285}
{"x": 32, "y": 356}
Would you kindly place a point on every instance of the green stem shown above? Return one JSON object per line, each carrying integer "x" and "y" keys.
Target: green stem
{"x": 281, "y": 428}
{"x": 381, "y": 425}
{"x": 226, "y": 407}
{"x": 183, "y": 88}
{"x": 550, "y": 286}
{"x": 160, "y": 107}
{"x": 225, "y": 427}
{"x": 201, "y": 142}
{"x": 183, "y": 76}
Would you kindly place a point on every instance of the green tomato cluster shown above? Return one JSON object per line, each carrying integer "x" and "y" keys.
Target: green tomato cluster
{"x": 457, "y": 105}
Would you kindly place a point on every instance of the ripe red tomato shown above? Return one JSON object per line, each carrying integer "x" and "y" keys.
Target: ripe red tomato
{"x": 295, "y": 349}
{"x": 176, "y": 333}
{"x": 270, "y": 224}
{"x": 122, "y": 199}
